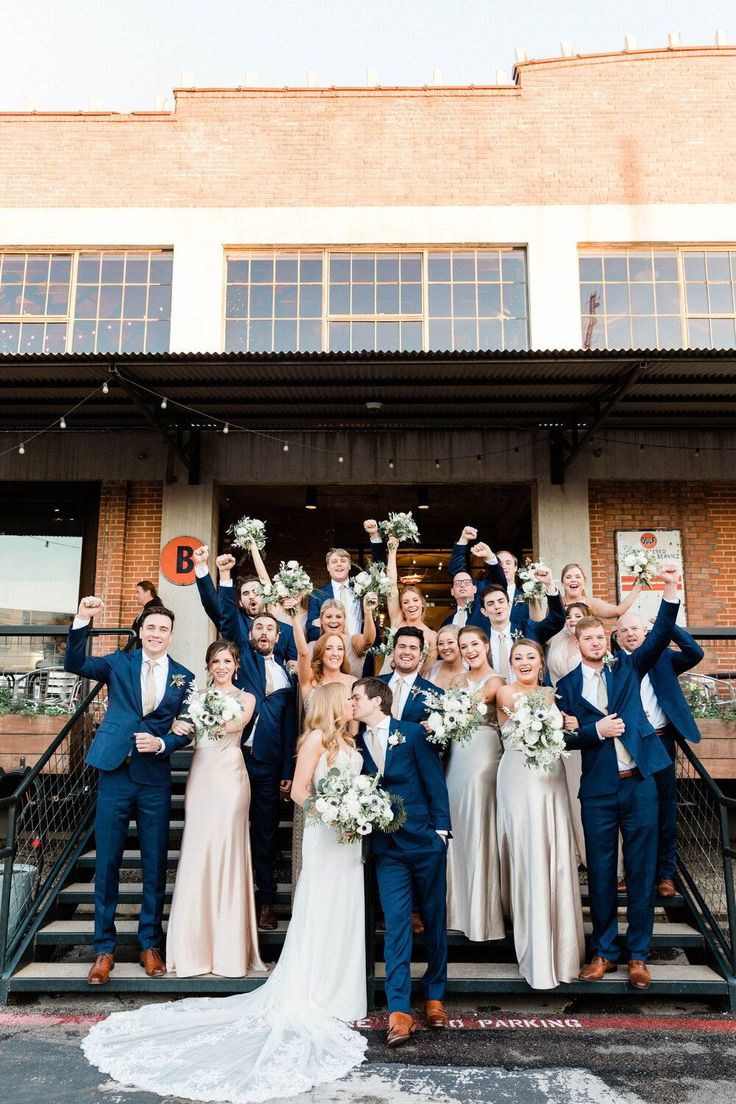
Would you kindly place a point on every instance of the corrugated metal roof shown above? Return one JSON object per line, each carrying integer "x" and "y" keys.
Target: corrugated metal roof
{"x": 682, "y": 388}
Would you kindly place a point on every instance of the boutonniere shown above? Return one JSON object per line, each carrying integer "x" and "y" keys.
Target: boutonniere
{"x": 395, "y": 739}
{"x": 291, "y": 667}
{"x": 609, "y": 661}
{"x": 414, "y": 691}
{"x": 516, "y": 634}
{"x": 178, "y": 681}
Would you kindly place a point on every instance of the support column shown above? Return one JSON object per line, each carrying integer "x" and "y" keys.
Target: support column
{"x": 189, "y": 511}
{"x": 561, "y": 524}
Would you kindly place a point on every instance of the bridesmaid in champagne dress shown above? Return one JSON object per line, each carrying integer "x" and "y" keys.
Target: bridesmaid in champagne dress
{"x": 539, "y": 870}
{"x": 212, "y": 925}
{"x": 473, "y": 876}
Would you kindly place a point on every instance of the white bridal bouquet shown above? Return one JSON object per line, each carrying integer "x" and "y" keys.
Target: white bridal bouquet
{"x": 290, "y": 581}
{"x": 355, "y": 805}
{"x": 401, "y": 526}
{"x": 374, "y": 580}
{"x": 537, "y": 730}
{"x": 454, "y": 716}
{"x": 210, "y": 712}
{"x": 641, "y": 564}
{"x": 248, "y": 531}
{"x": 532, "y": 588}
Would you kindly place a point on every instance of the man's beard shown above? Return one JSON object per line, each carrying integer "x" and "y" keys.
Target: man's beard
{"x": 264, "y": 648}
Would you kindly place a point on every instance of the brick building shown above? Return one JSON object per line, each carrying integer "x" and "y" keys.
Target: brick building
{"x": 289, "y": 233}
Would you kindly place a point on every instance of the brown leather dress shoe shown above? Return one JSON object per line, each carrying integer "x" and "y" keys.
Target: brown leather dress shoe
{"x": 666, "y": 888}
{"x": 435, "y": 1014}
{"x": 267, "y": 918}
{"x": 639, "y": 976}
{"x": 417, "y": 925}
{"x": 152, "y": 963}
{"x": 101, "y": 969}
{"x": 401, "y": 1027}
{"x": 597, "y": 969}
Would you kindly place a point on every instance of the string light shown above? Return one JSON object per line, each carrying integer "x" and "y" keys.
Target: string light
{"x": 164, "y": 403}
{"x": 62, "y": 422}
{"x": 341, "y": 459}
{"x": 286, "y": 446}
{"x": 22, "y": 449}
{"x": 226, "y": 428}
{"x": 105, "y": 388}
{"x": 390, "y": 463}
{"x": 437, "y": 463}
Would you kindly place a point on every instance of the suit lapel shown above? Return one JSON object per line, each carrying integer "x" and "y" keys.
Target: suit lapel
{"x": 610, "y": 687}
{"x": 368, "y": 760}
{"x": 134, "y": 670}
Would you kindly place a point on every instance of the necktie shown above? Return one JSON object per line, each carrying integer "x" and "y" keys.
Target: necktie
{"x": 461, "y": 618}
{"x": 621, "y": 753}
{"x": 376, "y": 749}
{"x": 270, "y": 684}
{"x": 503, "y": 656}
{"x": 149, "y": 696}
{"x": 397, "y": 705}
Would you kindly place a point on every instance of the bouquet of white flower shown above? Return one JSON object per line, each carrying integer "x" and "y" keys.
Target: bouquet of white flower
{"x": 290, "y": 581}
{"x": 537, "y": 730}
{"x": 210, "y": 712}
{"x": 374, "y": 580}
{"x": 454, "y": 716}
{"x": 642, "y": 565}
{"x": 401, "y": 526}
{"x": 355, "y": 805}
{"x": 532, "y": 588}
{"x": 248, "y": 531}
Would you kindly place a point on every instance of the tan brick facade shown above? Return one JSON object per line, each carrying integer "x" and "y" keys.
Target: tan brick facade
{"x": 634, "y": 128}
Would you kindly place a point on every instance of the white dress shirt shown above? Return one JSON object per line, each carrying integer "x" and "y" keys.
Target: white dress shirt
{"x": 276, "y": 676}
{"x": 378, "y": 742}
{"x": 394, "y": 686}
{"x": 353, "y": 611}
{"x": 460, "y": 618}
{"x": 654, "y": 712}
{"x": 495, "y": 660}
{"x": 591, "y": 682}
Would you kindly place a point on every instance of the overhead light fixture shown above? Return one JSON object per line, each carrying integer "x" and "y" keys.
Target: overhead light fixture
{"x": 422, "y": 498}
{"x": 310, "y": 502}
{"x": 373, "y": 405}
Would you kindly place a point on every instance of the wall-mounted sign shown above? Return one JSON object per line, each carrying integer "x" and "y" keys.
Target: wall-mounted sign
{"x": 665, "y": 545}
{"x": 177, "y": 560}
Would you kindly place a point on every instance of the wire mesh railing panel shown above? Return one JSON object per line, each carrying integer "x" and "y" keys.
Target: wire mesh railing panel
{"x": 705, "y": 866}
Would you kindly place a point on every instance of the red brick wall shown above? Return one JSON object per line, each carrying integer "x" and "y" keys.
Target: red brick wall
{"x": 648, "y": 127}
{"x": 706, "y": 515}
{"x": 128, "y": 545}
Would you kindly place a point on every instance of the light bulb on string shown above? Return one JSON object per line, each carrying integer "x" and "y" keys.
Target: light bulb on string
{"x": 22, "y": 450}
{"x": 62, "y": 422}
{"x": 341, "y": 459}
{"x": 390, "y": 463}
{"x": 286, "y": 446}
{"x": 164, "y": 403}
{"x": 226, "y": 428}
{"x": 105, "y": 388}
{"x": 437, "y": 463}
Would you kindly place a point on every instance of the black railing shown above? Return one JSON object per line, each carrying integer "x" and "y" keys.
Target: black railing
{"x": 47, "y": 817}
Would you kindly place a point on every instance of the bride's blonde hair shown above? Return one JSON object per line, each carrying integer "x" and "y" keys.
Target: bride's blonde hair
{"x": 326, "y": 714}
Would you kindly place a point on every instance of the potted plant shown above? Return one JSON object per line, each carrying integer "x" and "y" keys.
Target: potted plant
{"x": 715, "y": 716}
{"x": 27, "y": 727}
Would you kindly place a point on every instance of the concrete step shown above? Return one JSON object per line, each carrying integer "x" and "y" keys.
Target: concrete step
{"x": 79, "y": 931}
{"x": 131, "y": 893}
{"x": 463, "y": 977}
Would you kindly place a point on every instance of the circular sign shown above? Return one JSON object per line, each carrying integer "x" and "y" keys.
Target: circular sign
{"x": 177, "y": 560}
{"x": 648, "y": 540}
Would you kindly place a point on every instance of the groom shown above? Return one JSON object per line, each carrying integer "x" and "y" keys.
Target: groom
{"x": 146, "y": 690}
{"x": 411, "y": 863}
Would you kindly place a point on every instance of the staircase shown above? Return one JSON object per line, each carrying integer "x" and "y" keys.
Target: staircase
{"x": 62, "y": 950}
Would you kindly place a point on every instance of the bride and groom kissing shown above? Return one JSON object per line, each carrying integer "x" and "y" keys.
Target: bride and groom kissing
{"x": 292, "y": 1033}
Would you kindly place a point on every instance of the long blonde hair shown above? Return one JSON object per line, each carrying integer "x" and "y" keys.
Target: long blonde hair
{"x": 326, "y": 713}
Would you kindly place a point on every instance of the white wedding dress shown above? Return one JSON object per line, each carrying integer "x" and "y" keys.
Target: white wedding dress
{"x": 281, "y": 1039}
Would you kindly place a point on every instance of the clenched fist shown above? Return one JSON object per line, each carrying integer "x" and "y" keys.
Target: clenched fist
{"x": 91, "y": 606}
{"x": 468, "y": 534}
{"x": 371, "y": 527}
{"x": 225, "y": 562}
{"x": 201, "y": 555}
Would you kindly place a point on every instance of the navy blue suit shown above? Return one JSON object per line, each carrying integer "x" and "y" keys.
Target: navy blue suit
{"x": 325, "y": 592}
{"x": 270, "y": 758}
{"x": 521, "y": 622}
{"x": 666, "y": 686}
{"x": 494, "y": 575}
{"x": 411, "y": 863}
{"x": 131, "y": 783}
{"x": 415, "y": 708}
{"x": 285, "y": 645}
{"x": 610, "y": 803}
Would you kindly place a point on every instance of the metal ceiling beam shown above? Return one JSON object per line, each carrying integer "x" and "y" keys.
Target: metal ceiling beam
{"x": 147, "y": 413}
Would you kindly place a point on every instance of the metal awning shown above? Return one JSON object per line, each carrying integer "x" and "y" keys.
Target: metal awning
{"x": 569, "y": 394}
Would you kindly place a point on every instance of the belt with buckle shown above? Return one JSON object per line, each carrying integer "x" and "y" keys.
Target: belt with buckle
{"x": 633, "y": 772}
{"x": 665, "y": 729}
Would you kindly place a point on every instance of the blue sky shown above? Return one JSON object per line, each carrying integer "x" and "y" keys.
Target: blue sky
{"x": 58, "y": 54}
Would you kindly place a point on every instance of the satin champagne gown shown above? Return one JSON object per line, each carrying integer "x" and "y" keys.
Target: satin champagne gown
{"x": 563, "y": 656}
{"x": 212, "y": 925}
{"x": 473, "y": 873}
{"x": 539, "y": 871}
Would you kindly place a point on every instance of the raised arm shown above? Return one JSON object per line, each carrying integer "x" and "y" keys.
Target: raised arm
{"x": 378, "y": 548}
{"x": 303, "y": 657}
{"x": 230, "y": 626}
{"x": 600, "y": 608}
{"x": 493, "y": 570}
{"x": 205, "y": 586}
{"x": 75, "y": 660}
{"x": 459, "y": 554}
{"x": 392, "y": 572}
{"x": 258, "y": 564}
{"x": 690, "y": 653}
{"x": 657, "y": 639}
{"x": 365, "y": 640}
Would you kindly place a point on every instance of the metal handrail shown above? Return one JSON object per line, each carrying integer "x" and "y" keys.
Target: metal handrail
{"x": 12, "y": 948}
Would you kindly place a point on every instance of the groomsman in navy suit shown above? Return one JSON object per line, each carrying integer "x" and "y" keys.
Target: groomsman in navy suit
{"x": 131, "y": 750}
{"x": 621, "y": 754}
{"x": 500, "y": 570}
{"x": 406, "y": 684}
{"x": 249, "y": 601}
{"x": 497, "y": 623}
{"x": 339, "y": 568}
{"x": 268, "y": 742}
{"x": 667, "y": 710}
{"x": 411, "y": 863}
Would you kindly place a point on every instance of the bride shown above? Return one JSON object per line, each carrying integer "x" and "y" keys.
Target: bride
{"x": 292, "y": 1033}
